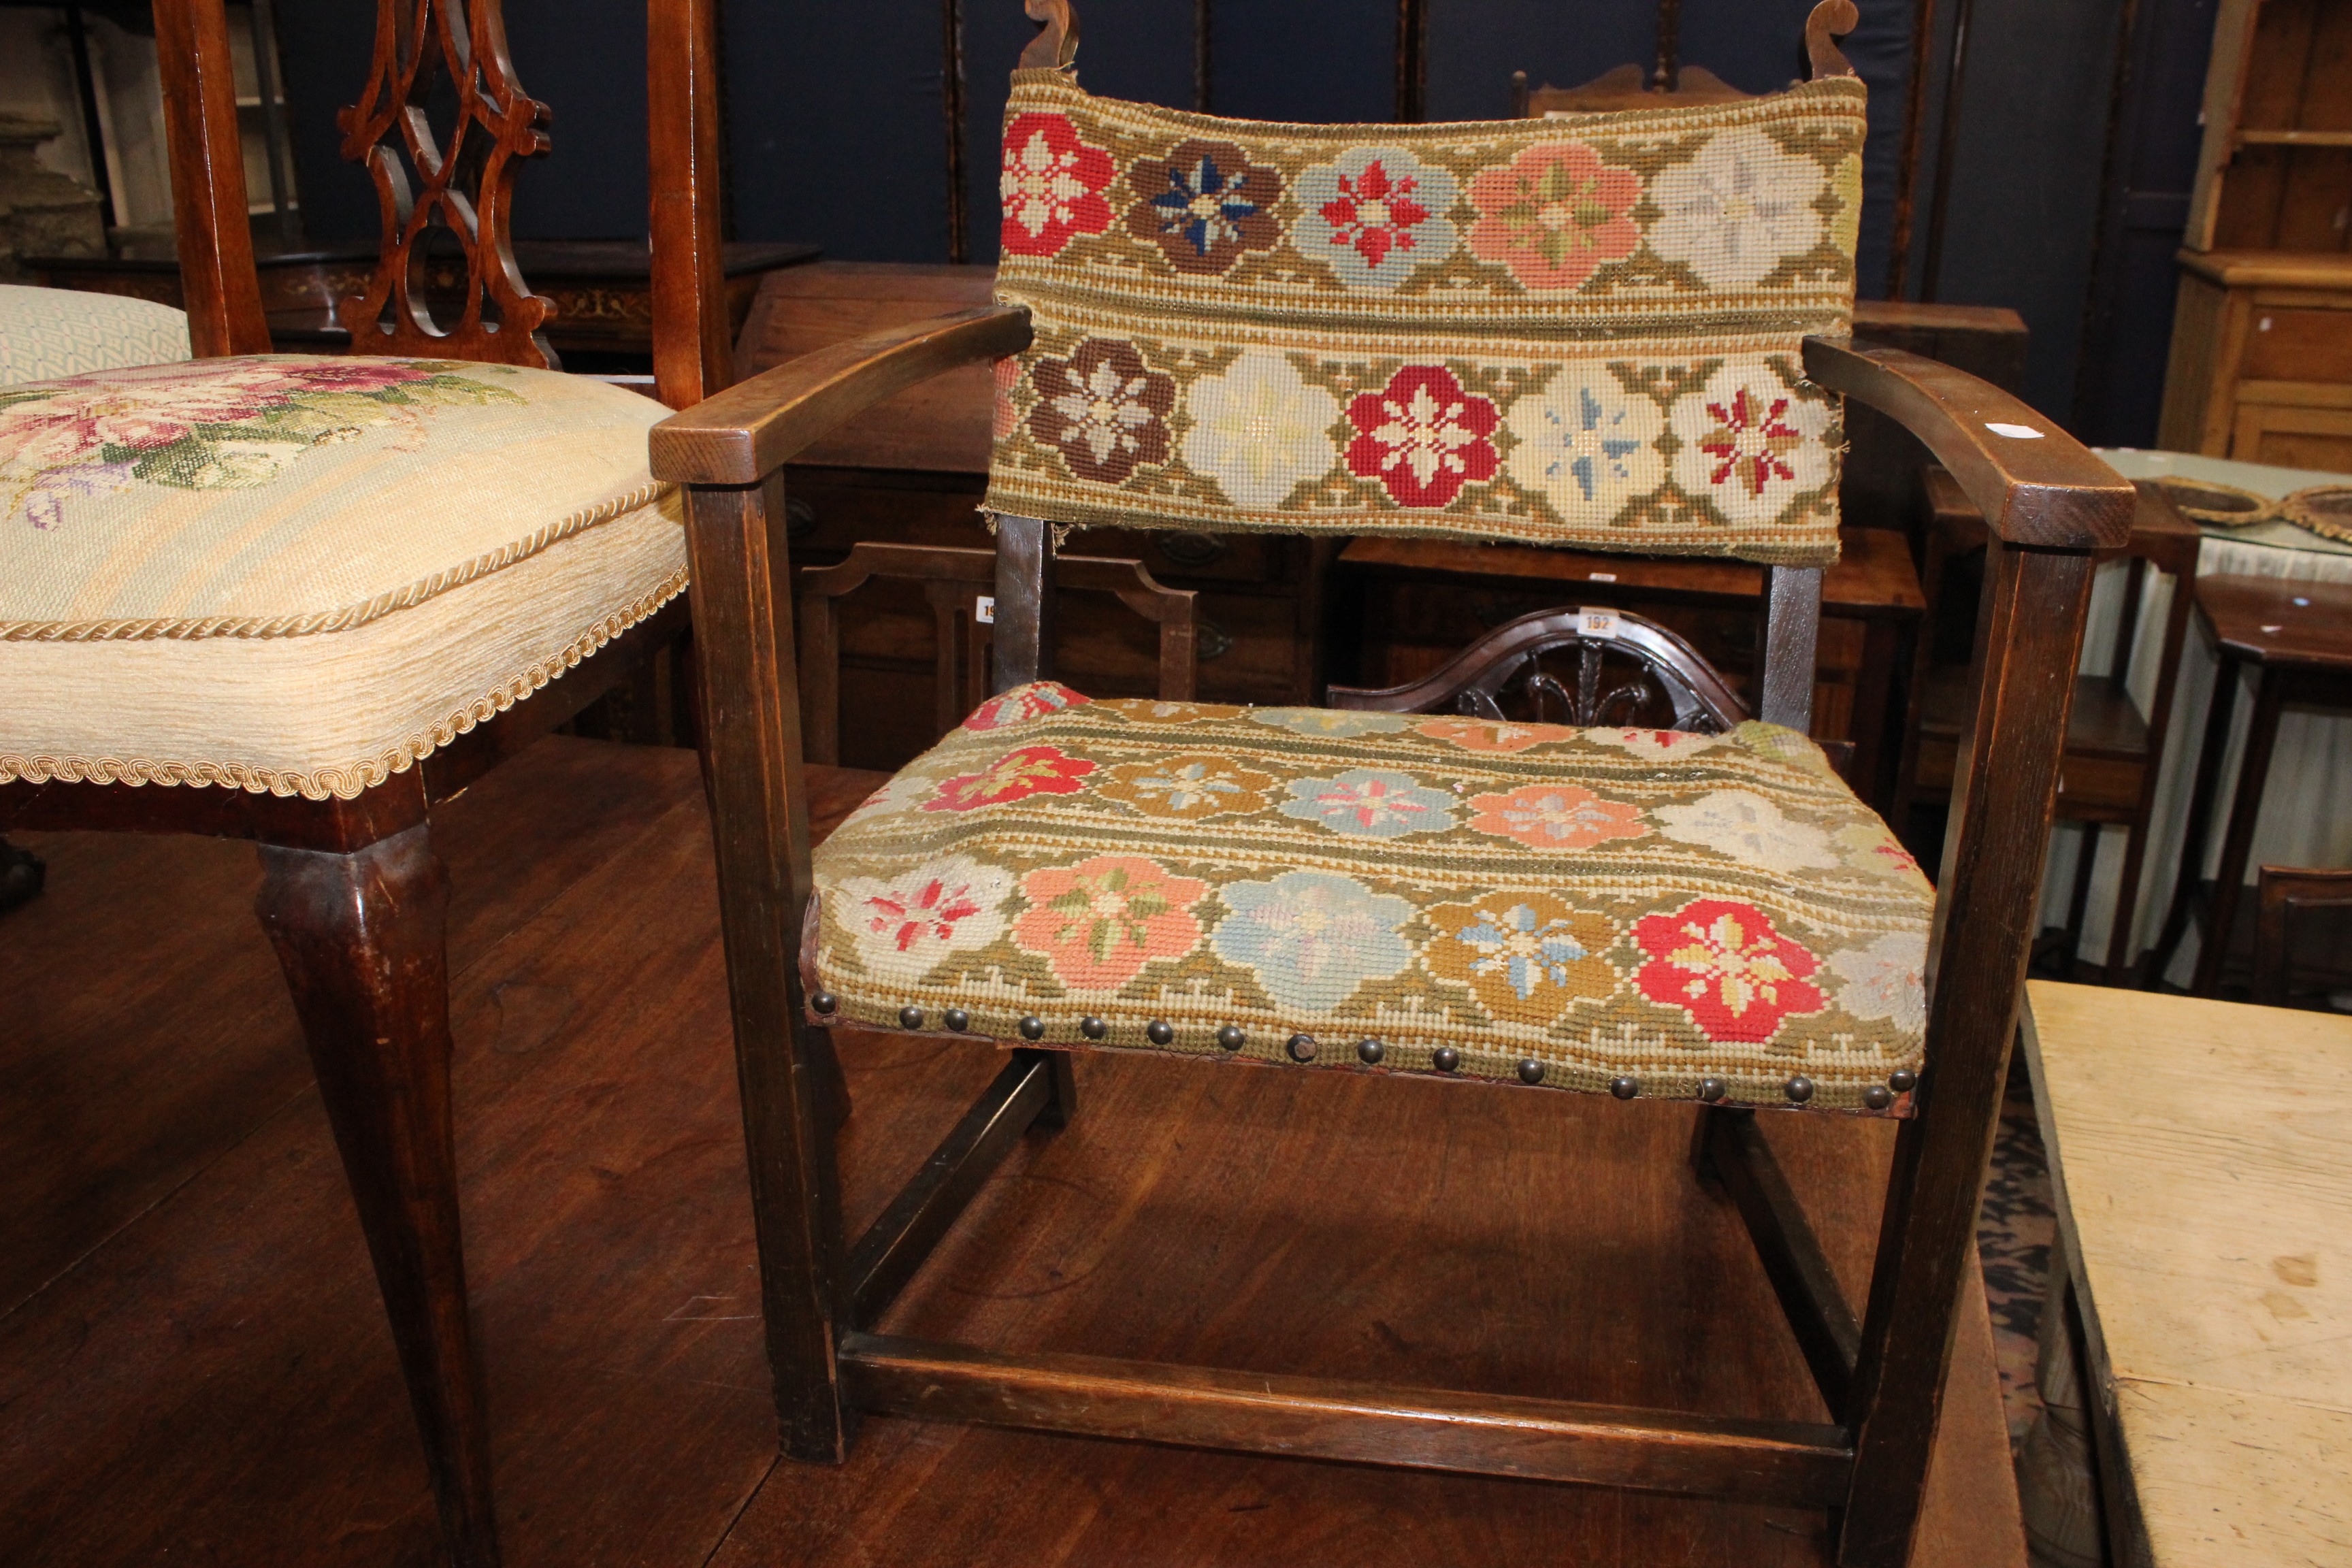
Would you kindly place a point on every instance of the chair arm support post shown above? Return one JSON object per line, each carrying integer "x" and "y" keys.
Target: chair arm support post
{"x": 2028, "y": 639}
{"x": 748, "y": 431}
{"x": 2035, "y": 483}
{"x": 759, "y": 815}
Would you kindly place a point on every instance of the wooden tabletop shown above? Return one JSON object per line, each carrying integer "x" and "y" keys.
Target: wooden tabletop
{"x": 2283, "y": 621}
{"x": 1872, "y": 577}
{"x": 2201, "y": 1157}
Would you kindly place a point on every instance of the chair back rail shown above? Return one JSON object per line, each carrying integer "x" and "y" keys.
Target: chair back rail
{"x": 453, "y": 187}
{"x": 1665, "y": 669}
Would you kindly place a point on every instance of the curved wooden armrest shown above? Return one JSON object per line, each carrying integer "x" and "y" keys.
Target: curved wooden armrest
{"x": 2044, "y": 487}
{"x": 751, "y": 430}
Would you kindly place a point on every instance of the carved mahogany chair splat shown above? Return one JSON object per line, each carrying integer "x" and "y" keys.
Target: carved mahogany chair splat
{"x": 1043, "y": 879}
{"x": 320, "y": 595}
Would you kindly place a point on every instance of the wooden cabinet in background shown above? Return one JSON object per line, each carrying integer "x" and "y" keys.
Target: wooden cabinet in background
{"x": 2261, "y": 340}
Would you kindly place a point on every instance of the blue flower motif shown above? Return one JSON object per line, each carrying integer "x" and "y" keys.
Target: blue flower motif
{"x": 1369, "y": 802}
{"x": 1338, "y": 723}
{"x": 1375, "y": 215}
{"x": 1312, "y": 937}
{"x": 1522, "y": 949}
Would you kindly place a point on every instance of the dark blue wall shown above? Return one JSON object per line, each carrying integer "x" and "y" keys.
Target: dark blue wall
{"x": 836, "y": 128}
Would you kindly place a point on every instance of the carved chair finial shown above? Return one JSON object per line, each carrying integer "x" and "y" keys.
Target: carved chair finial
{"x": 458, "y": 183}
{"x": 1830, "y": 20}
{"x": 1057, "y": 45}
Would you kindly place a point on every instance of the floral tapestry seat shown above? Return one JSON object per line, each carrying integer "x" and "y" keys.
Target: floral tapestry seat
{"x": 302, "y": 575}
{"x": 1650, "y": 913}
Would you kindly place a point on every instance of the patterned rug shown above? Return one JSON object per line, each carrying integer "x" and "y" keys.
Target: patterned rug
{"x": 2015, "y": 1232}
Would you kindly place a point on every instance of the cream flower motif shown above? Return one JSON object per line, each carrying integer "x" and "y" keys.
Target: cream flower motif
{"x": 1750, "y": 829}
{"x": 1737, "y": 209}
{"x": 1750, "y": 442}
{"x": 911, "y": 922}
{"x": 1586, "y": 445}
{"x": 1888, "y": 979}
{"x": 1259, "y": 430}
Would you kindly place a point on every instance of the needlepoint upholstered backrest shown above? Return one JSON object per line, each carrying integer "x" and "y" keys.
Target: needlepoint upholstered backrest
{"x": 1578, "y": 330}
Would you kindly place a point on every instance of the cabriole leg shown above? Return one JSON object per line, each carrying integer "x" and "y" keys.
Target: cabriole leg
{"x": 360, "y": 937}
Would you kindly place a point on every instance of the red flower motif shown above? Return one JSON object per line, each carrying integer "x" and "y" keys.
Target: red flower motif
{"x": 1422, "y": 437}
{"x": 1722, "y": 963}
{"x": 1052, "y": 185}
{"x": 1374, "y": 213}
{"x": 1750, "y": 442}
{"x": 1016, "y": 776}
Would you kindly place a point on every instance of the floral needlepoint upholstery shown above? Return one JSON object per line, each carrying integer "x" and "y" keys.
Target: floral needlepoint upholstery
{"x": 302, "y": 575}
{"x": 1583, "y": 330}
{"x": 1606, "y": 903}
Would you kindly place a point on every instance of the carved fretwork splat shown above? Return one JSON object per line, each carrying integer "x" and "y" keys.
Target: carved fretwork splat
{"x": 456, "y": 183}
{"x": 1583, "y": 668}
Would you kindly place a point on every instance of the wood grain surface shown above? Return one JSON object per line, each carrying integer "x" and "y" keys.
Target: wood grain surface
{"x": 201, "y": 1372}
{"x": 2201, "y": 1157}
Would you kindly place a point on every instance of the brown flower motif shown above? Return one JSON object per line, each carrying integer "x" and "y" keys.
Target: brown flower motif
{"x": 1204, "y": 203}
{"x": 1527, "y": 956}
{"x": 1190, "y": 787}
{"x": 1103, "y": 409}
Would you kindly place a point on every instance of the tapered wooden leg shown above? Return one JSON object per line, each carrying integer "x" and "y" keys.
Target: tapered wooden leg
{"x": 360, "y": 937}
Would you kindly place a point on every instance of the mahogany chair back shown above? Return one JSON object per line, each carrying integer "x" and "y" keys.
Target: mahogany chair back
{"x": 955, "y": 587}
{"x": 440, "y": 185}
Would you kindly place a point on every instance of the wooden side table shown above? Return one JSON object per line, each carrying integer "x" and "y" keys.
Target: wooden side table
{"x": 2200, "y": 1161}
{"x": 2298, "y": 636}
{"x": 1419, "y": 602}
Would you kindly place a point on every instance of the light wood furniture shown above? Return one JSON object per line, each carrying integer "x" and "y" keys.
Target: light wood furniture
{"x": 1411, "y": 601}
{"x": 352, "y": 896}
{"x": 2114, "y": 752}
{"x": 2261, "y": 339}
{"x": 2261, "y": 359}
{"x": 2298, "y": 638}
{"x": 2200, "y": 1154}
{"x": 1881, "y": 1374}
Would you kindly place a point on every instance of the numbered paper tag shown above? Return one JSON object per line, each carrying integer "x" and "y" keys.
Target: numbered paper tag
{"x": 1593, "y": 622}
{"x": 984, "y": 609}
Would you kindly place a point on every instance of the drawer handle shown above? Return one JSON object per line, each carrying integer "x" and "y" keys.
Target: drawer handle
{"x": 800, "y": 518}
{"x": 1210, "y": 641}
{"x": 1191, "y": 549}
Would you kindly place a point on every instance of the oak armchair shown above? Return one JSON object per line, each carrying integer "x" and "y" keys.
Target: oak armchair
{"x": 1624, "y": 331}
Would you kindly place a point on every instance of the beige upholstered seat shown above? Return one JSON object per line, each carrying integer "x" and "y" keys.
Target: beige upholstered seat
{"x": 303, "y": 574}
{"x": 1637, "y": 910}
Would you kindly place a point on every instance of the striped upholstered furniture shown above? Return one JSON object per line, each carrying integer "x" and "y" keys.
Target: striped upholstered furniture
{"x": 1624, "y": 331}
{"x": 301, "y": 600}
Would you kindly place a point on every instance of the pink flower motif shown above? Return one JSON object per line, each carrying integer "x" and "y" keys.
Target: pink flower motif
{"x": 1554, "y": 215}
{"x": 1422, "y": 437}
{"x": 1373, "y": 213}
{"x": 1556, "y": 816}
{"x": 1750, "y": 442}
{"x": 1483, "y": 735}
{"x": 1052, "y": 185}
{"x": 1002, "y": 416}
{"x": 1099, "y": 922}
{"x": 1725, "y": 966}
